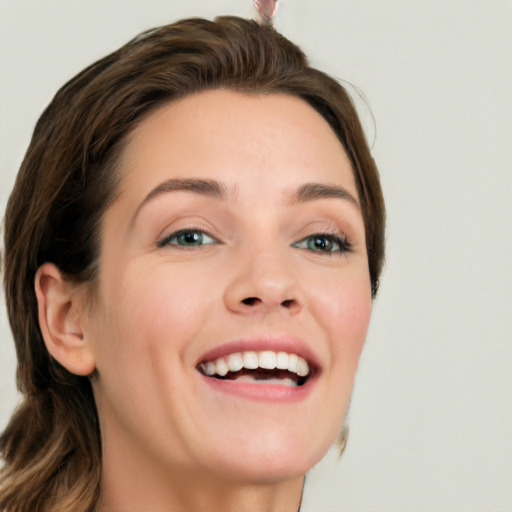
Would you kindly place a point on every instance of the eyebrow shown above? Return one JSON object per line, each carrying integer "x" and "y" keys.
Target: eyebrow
{"x": 312, "y": 191}
{"x": 203, "y": 187}
{"x": 218, "y": 190}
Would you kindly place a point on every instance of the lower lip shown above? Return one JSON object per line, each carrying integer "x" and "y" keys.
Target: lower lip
{"x": 261, "y": 392}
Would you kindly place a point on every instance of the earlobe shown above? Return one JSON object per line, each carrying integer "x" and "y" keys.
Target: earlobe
{"x": 61, "y": 311}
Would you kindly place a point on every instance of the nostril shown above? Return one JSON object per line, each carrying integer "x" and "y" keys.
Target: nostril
{"x": 287, "y": 303}
{"x": 251, "y": 301}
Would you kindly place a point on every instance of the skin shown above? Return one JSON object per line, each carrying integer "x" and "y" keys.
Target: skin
{"x": 170, "y": 440}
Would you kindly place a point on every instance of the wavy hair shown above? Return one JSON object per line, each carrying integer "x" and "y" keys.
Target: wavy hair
{"x": 51, "y": 447}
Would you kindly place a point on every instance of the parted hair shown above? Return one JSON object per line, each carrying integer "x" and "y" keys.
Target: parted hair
{"x": 51, "y": 448}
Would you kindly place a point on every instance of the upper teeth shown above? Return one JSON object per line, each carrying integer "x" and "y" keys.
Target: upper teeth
{"x": 267, "y": 360}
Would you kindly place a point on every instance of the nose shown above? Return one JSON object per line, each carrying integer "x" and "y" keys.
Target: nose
{"x": 263, "y": 281}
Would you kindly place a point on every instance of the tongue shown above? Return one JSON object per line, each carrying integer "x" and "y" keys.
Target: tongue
{"x": 262, "y": 376}
{"x": 284, "y": 381}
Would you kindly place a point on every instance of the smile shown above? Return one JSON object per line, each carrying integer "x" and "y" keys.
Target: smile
{"x": 264, "y": 367}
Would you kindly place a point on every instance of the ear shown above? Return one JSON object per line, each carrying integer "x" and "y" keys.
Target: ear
{"x": 62, "y": 311}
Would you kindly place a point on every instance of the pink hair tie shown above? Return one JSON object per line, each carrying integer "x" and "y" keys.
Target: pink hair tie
{"x": 266, "y": 9}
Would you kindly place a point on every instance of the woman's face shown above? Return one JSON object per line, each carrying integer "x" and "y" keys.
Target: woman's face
{"x": 237, "y": 239}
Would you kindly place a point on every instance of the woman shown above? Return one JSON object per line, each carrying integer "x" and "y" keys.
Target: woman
{"x": 191, "y": 251}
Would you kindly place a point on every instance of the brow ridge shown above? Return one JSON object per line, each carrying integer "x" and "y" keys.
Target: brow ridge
{"x": 313, "y": 191}
{"x": 218, "y": 190}
{"x": 204, "y": 187}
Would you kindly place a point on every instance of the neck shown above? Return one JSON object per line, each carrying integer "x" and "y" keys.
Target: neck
{"x": 201, "y": 496}
{"x": 128, "y": 487}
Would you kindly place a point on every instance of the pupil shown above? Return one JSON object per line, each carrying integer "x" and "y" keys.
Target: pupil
{"x": 191, "y": 238}
{"x": 321, "y": 243}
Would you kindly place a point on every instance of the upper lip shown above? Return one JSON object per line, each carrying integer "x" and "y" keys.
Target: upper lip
{"x": 280, "y": 343}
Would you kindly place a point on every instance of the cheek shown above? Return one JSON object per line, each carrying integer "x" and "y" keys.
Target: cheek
{"x": 157, "y": 312}
{"x": 344, "y": 311}
{"x": 147, "y": 322}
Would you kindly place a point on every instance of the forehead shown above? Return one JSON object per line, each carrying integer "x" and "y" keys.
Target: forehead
{"x": 267, "y": 140}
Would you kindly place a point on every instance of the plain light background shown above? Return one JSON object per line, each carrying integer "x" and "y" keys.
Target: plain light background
{"x": 431, "y": 415}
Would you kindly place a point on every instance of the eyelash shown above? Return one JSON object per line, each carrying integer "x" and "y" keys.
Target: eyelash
{"x": 184, "y": 232}
{"x": 331, "y": 240}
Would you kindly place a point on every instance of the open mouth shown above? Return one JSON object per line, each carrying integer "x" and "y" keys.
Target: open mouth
{"x": 266, "y": 367}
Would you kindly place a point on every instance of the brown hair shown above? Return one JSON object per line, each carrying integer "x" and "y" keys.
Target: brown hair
{"x": 52, "y": 445}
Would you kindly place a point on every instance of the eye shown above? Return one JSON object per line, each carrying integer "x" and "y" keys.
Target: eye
{"x": 323, "y": 243}
{"x": 187, "y": 238}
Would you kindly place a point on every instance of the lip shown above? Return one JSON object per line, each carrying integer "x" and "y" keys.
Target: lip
{"x": 264, "y": 392}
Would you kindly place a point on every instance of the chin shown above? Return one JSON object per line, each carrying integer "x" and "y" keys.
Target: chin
{"x": 271, "y": 457}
